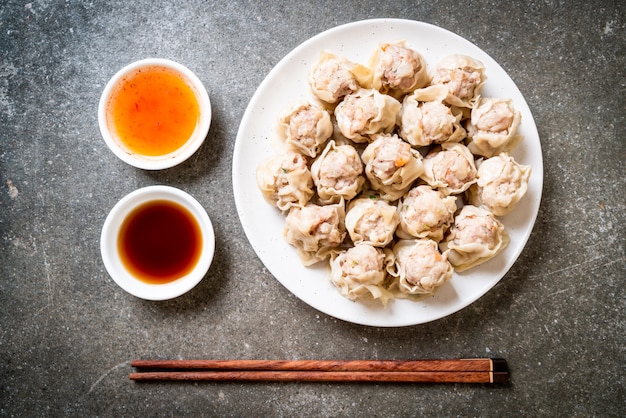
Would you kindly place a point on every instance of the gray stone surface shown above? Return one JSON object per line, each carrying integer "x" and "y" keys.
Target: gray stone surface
{"x": 67, "y": 332}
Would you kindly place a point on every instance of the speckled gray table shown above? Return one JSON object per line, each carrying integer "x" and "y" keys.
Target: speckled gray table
{"x": 67, "y": 332}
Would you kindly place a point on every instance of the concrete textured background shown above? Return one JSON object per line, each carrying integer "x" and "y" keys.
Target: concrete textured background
{"x": 67, "y": 332}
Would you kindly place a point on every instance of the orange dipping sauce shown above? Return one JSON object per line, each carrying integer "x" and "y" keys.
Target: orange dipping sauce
{"x": 154, "y": 111}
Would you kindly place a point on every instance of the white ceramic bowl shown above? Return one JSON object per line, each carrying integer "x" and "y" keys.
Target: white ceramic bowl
{"x": 162, "y": 161}
{"x": 111, "y": 256}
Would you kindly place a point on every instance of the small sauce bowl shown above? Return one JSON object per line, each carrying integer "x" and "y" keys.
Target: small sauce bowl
{"x": 112, "y": 245}
{"x": 154, "y": 114}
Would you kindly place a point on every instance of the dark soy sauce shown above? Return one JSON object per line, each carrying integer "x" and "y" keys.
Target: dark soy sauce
{"x": 160, "y": 241}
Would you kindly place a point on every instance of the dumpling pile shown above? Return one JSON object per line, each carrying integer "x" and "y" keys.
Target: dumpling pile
{"x": 395, "y": 175}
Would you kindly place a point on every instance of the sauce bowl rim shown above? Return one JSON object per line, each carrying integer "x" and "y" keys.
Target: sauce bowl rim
{"x": 111, "y": 257}
{"x": 162, "y": 161}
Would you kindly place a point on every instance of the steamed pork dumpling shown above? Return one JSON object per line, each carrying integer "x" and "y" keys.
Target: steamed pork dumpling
{"x": 450, "y": 169}
{"x": 397, "y": 69}
{"x": 420, "y": 267}
{"x": 425, "y": 213}
{"x": 493, "y": 127}
{"x": 315, "y": 230}
{"x": 307, "y": 128}
{"x": 502, "y": 182}
{"x": 391, "y": 165}
{"x": 334, "y": 77}
{"x": 361, "y": 271}
{"x": 425, "y": 119}
{"x": 285, "y": 180}
{"x": 372, "y": 221}
{"x": 337, "y": 173}
{"x": 475, "y": 237}
{"x": 366, "y": 112}
{"x": 463, "y": 76}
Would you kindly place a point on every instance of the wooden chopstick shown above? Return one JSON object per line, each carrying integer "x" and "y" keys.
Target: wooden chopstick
{"x": 325, "y": 376}
{"x": 434, "y": 365}
{"x": 483, "y": 370}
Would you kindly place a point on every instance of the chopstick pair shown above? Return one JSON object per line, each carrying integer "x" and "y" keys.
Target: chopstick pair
{"x": 479, "y": 370}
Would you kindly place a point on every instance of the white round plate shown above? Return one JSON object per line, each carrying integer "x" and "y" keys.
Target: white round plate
{"x": 287, "y": 84}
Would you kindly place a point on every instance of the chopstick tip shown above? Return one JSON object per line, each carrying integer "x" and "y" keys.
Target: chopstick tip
{"x": 499, "y": 365}
{"x": 500, "y": 378}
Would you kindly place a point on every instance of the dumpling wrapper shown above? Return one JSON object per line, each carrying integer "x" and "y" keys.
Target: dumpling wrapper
{"x": 463, "y": 77}
{"x": 502, "y": 182}
{"x": 391, "y": 165}
{"x": 334, "y": 77}
{"x": 425, "y": 119}
{"x": 425, "y": 213}
{"x": 451, "y": 168}
{"x": 371, "y": 221}
{"x": 337, "y": 173}
{"x": 365, "y": 113}
{"x": 307, "y": 127}
{"x": 475, "y": 237}
{"x": 493, "y": 127}
{"x": 420, "y": 268}
{"x": 285, "y": 180}
{"x": 315, "y": 230}
{"x": 397, "y": 69}
{"x": 360, "y": 272}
